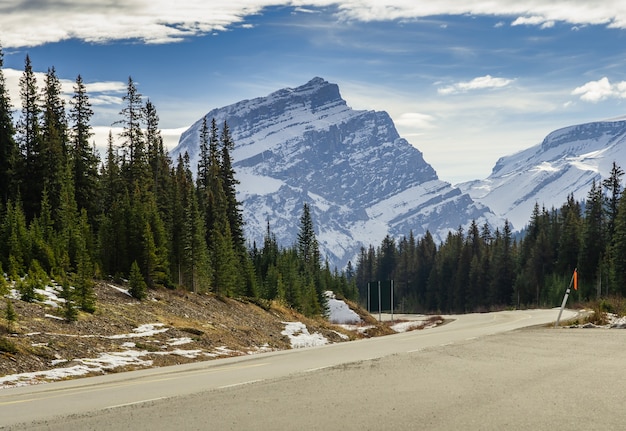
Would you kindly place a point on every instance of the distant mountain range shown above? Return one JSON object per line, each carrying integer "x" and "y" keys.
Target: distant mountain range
{"x": 566, "y": 162}
{"x": 360, "y": 178}
{"x": 363, "y": 181}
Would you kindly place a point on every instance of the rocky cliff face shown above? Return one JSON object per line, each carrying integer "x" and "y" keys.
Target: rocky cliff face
{"x": 566, "y": 162}
{"x": 361, "y": 179}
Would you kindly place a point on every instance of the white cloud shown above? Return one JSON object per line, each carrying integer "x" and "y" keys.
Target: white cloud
{"x": 100, "y": 93}
{"x": 602, "y": 89}
{"x": 415, "y": 120}
{"x": 36, "y": 22}
{"x": 533, "y": 20}
{"x": 480, "y": 83}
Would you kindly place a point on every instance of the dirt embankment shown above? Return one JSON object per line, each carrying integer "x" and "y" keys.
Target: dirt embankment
{"x": 168, "y": 327}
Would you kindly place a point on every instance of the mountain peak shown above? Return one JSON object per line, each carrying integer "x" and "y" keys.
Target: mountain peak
{"x": 317, "y": 92}
{"x": 361, "y": 180}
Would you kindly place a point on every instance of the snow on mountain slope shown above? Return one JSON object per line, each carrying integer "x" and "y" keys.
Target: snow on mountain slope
{"x": 361, "y": 179}
{"x": 566, "y": 162}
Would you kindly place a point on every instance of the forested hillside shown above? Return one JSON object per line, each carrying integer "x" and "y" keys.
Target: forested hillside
{"x": 479, "y": 270}
{"x": 133, "y": 214}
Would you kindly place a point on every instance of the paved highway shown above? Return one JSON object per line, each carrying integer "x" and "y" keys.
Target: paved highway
{"x": 176, "y": 397}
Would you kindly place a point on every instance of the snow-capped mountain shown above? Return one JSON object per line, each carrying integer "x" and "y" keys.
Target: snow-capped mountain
{"x": 566, "y": 162}
{"x": 360, "y": 178}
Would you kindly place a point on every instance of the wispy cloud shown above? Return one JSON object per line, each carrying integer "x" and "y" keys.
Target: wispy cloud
{"x": 602, "y": 89}
{"x": 36, "y": 22}
{"x": 100, "y": 93}
{"x": 480, "y": 83}
{"x": 534, "y": 21}
{"x": 415, "y": 120}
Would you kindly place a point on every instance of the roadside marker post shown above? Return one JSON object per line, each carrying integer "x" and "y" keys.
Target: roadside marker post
{"x": 574, "y": 280}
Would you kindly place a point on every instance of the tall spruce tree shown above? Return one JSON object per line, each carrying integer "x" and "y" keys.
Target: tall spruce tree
{"x": 195, "y": 256}
{"x": 592, "y": 243}
{"x": 229, "y": 183}
{"x": 613, "y": 186}
{"x": 84, "y": 157}
{"x": 30, "y": 142}
{"x": 54, "y": 134}
{"x": 135, "y": 165}
{"x": 308, "y": 248}
{"x": 618, "y": 250}
{"x": 9, "y": 151}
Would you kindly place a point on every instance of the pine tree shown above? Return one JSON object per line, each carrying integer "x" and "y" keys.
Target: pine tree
{"x": 569, "y": 240}
{"x": 308, "y": 249}
{"x": 229, "y": 183}
{"x": 10, "y": 315}
{"x": 70, "y": 312}
{"x": 84, "y": 157}
{"x": 54, "y": 140}
{"x": 195, "y": 253}
{"x": 83, "y": 279}
{"x": 135, "y": 164}
{"x": 204, "y": 161}
{"x": 9, "y": 151}
{"x": 426, "y": 252}
{"x": 153, "y": 141}
{"x": 17, "y": 242}
{"x": 160, "y": 167}
{"x": 613, "y": 185}
{"x": 618, "y": 250}
{"x": 29, "y": 139}
{"x": 387, "y": 259}
{"x": 155, "y": 246}
{"x": 137, "y": 285}
{"x": 592, "y": 243}
{"x": 67, "y": 220}
{"x": 502, "y": 267}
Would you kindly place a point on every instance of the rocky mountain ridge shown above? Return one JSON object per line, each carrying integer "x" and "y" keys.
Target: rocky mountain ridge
{"x": 361, "y": 179}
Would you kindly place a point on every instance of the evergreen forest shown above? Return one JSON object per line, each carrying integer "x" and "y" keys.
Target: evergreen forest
{"x": 132, "y": 214}
{"x": 73, "y": 214}
{"x": 482, "y": 270}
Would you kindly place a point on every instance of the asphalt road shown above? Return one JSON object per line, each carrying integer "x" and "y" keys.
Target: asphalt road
{"x": 478, "y": 372}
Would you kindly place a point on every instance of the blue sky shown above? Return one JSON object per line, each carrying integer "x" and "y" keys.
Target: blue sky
{"x": 465, "y": 83}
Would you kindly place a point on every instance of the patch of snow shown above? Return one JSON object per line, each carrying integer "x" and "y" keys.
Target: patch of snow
{"x": 300, "y": 337}
{"x": 264, "y": 348}
{"x": 105, "y": 361}
{"x": 191, "y": 354}
{"x": 342, "y": 336}
{"x": 179, "y": 341}
{"x": 119, "y": 289}
{"x": 361, "y": 329}
{"x": 338, "y": 310}
{"x": 146, "y": 330}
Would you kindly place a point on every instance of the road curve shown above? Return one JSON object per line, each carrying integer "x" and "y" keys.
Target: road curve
{"x": 50, "y": 406}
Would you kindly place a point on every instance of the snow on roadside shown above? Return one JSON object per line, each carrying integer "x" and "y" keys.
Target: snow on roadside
{"x": 300, "y": 337}
{"x": 339, "y": 312}
{"x": 111, "y": 360}
{"x": 106, "y": 361}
